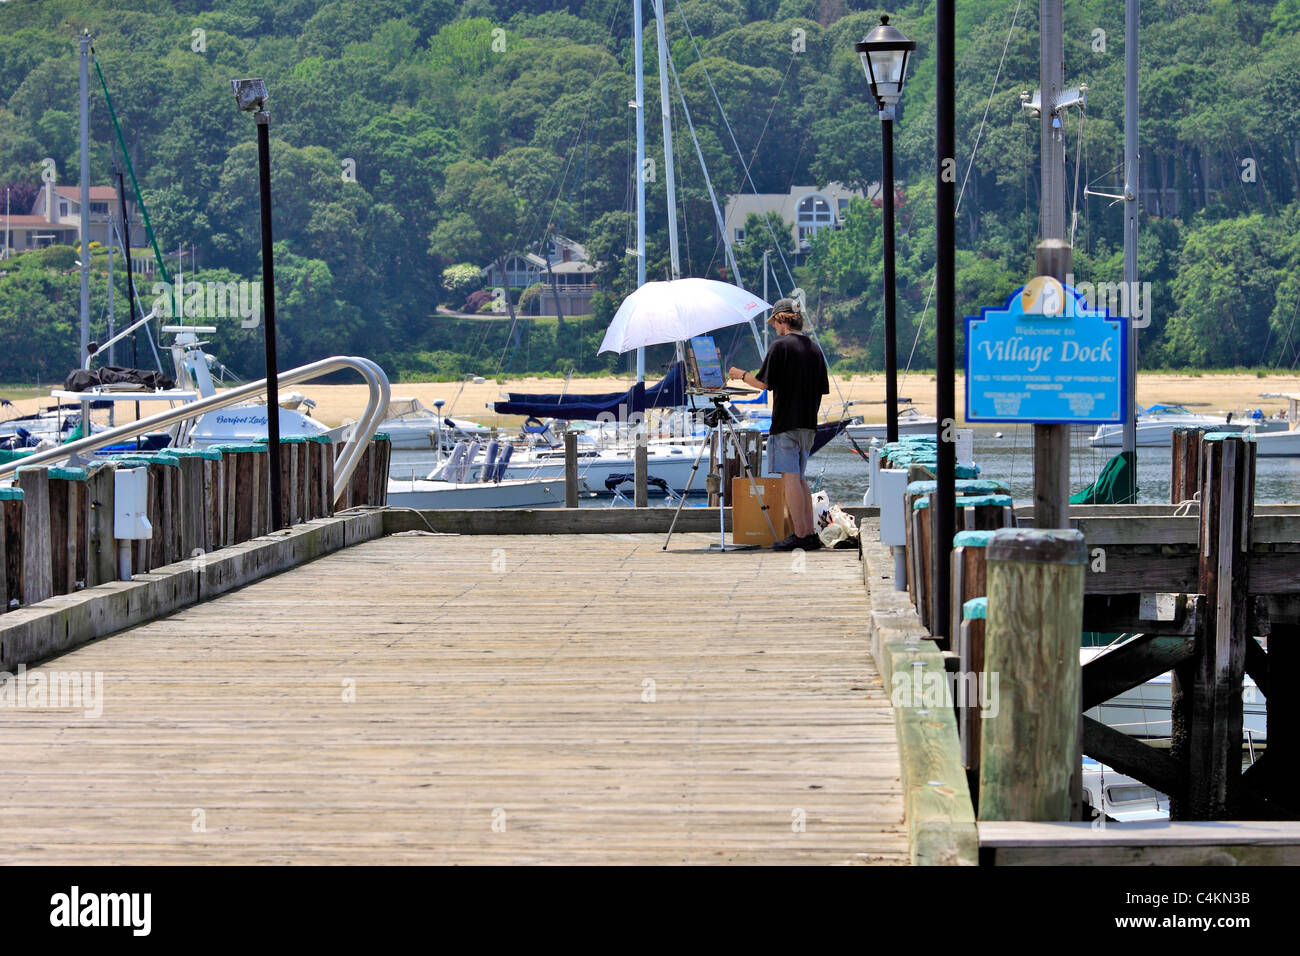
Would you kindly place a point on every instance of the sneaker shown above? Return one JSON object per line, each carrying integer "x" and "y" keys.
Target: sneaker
{"x": 810, "y": 543}
{"x": 789, "y": 544}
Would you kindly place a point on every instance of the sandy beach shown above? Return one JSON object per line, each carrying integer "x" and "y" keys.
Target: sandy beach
{"x": 1206, "y": 392}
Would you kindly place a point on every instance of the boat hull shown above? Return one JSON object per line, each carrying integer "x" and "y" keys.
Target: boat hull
{"x": 906, "y": 426}
{"x": 1278, "y": 444}
{"x": 426, "y": 495}
{"x": 673, "y": 466}
{"x": 1153, "y": 434}
{"x": 244, "y": 424}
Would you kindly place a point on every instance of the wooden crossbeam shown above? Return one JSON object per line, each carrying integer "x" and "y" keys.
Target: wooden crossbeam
{"x": 1123, "y": 612}
{"x": 1257, "y": 665}
{"x": 1132, "y": 665}
{"x": 1132, "y": 757}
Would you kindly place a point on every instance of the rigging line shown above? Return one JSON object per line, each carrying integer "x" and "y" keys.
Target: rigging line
{"x": 708, "y": 181}
{"x": 979, "y": 135}
{"x": 680, "y": 194}
{"x": 1108, "y": 172}
{"x": 745, "y": 176}
{"x": 579, "y": 133}
{"x": 130, "y": 168}
{"x": 1078, "y": 148}
{"x": 1282, "y": 348}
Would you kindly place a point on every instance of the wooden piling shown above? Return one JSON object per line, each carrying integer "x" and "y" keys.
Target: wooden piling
{"x": 101, "y": 547}
{"x": 969, "y": 573}
{"x": 1030, "y": 763}
{"x": 1206, "y": 695}
{"x": 381, "y": 448}
{"x": 38, "y": 570}
{"x": 247, "y": 483}
{"x": 640, "y": 472}
{"x": 570, "y": 469}
{"x": 195, "y": 500}
{"x": 11, "y": 547}
{"x": 1185, "y": 463}
{"x": 369, "y": 482}
{"x": 67, "y": 528}
{"x": 973, "y": 674}
{"x": 326, "y": 460}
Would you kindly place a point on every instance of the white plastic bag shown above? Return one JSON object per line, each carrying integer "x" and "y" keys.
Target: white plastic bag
{"x": 831, "y": 523}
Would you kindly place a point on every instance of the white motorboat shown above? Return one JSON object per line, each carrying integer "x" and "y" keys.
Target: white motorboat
{"x": 1155, "y": 426}
{"x": 240, "y": 424}
{"x": 411, "y": 426}
{"x": 671, "y": 462}
{"x": 1284, "y": 442}
{"x": 910, "y": 422}
{"x": 425, "y": 494}
{"x": 1122, "y": 798}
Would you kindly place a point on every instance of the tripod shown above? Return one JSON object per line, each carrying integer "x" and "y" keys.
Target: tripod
{"x": 721, "y": 423}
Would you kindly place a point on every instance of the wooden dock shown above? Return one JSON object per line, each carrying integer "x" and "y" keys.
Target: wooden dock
{"x": 478, "y": 699}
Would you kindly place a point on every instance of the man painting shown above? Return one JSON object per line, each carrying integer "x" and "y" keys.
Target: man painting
{"x": 795, "y": 370}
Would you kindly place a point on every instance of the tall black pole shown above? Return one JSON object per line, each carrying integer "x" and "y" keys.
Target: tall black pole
{"x": 1052, "y": 442}
{"x": 268, "y": 309}
{"x": 130, "y": 278}
{"x": 891, "y": 322}
{"x": 945, "y": 387}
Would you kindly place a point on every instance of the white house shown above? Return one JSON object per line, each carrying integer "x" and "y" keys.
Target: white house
{"x": 564, "y": 268}
{"x": 55, "y": 218}
{"x": 805, "y": 209}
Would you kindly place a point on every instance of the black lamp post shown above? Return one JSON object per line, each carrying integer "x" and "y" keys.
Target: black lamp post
{"x": 250, "y": 94}
{"x": 885, "y": 52}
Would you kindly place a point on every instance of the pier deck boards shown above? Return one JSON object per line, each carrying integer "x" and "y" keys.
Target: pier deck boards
{"x": 497, "y": 679}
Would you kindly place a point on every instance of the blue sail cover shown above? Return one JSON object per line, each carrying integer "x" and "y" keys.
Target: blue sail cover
{"x": 670, "y": 392}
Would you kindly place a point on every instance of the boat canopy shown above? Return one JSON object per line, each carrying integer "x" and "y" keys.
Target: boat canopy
{"x": 397, "y": 407}
{"x": 1116, "y": 485}
{"x": 668, "y": 393}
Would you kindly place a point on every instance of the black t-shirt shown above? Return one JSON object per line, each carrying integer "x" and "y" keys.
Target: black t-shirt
{"x": 796, "y": 373}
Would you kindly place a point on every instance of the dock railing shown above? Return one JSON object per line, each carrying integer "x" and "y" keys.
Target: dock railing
{"x": 346, "y": 464}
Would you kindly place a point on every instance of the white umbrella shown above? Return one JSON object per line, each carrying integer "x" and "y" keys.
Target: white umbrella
{"x": 675, "y": 311}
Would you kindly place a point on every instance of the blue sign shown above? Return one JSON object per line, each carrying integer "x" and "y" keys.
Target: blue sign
{"x": 1046, "y": 357}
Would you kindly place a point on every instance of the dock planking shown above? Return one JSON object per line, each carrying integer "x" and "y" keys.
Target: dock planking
{"x": 498, "y": 680}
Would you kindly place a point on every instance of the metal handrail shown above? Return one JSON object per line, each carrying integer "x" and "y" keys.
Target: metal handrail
{"x": 376, "y": 406}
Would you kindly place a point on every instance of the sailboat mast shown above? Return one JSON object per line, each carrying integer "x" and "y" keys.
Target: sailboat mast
{"x": 664, "y": 108}
{"x": 84, "y": 42}
{"x": 638, "y": 44}
{"x": 1131, "y": 215}
{"x": 112, "y": 330}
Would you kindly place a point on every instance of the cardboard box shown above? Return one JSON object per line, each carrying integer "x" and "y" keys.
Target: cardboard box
{"x": 748, "y": 525}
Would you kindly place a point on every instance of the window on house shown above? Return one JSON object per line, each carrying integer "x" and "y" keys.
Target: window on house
{"x": 63, "y": 208}
{"x": 740, "y": 235}
{"x": 814, "y": 213}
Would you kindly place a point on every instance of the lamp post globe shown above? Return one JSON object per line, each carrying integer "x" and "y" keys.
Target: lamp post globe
{"x": 885, "y": 52}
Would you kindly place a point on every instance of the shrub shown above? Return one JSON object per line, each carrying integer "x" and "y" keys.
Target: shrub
{"x": 529, "y": 296}
{"x": 477, "y": 300}
{"x": 462, "y": 279}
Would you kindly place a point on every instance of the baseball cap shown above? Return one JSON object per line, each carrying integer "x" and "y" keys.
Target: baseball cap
{"x": 785, "y": 305}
